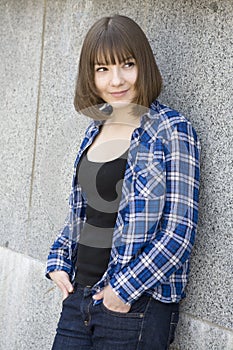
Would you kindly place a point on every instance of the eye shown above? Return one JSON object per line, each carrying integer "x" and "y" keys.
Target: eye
{"x": 129, "y": 64}
{"x": 101, "y": 69}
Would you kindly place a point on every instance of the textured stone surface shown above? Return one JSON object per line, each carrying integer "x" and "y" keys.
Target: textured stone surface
{"x": 192, "y": 42}
{"x": 29, "y": 303}
{"x": 21, "y": 27}
{"x": 194, "y": 334}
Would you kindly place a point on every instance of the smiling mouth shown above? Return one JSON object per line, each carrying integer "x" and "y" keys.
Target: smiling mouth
{"x": 119, "y": 93}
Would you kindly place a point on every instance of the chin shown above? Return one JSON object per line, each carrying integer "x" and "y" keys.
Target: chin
{"x": 120, "y": 104}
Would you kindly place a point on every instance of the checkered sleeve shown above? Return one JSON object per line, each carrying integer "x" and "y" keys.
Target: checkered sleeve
{"x": 173, "y": 242}
{"x": 63, "y": 249}
{"x": 59, "y": 255}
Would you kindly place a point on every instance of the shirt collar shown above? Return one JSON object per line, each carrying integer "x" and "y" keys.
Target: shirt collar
{"x": 152, "y": 113}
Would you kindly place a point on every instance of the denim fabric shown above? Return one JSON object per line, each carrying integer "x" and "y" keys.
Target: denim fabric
{"x": 149, "y": 325}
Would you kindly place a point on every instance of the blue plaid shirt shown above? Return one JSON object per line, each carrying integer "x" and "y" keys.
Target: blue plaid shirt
{"x": 157, "y": 216}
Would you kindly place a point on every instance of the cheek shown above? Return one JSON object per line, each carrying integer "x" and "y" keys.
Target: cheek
{"x": 133, "y": 77}
{"x": 96, "y": 83}
{"x": 100, "y": 84}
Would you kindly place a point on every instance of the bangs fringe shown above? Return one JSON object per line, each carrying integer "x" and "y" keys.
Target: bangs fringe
{"x": 111, "y": 48}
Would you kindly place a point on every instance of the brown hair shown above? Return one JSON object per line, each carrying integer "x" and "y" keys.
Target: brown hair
{"x": 113, "y": 39}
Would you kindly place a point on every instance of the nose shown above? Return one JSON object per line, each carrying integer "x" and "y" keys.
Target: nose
{"x": 117, "y": 76}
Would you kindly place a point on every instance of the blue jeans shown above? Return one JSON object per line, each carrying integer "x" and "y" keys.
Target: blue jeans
{"x": 149, "y": 325}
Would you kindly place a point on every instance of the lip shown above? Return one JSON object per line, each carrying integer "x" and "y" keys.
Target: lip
{"x": 119, "y": 93}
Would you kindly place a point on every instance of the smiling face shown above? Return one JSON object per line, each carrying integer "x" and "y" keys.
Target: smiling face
{"x": 115, "y": 83}
{"x": 128, "y": 74}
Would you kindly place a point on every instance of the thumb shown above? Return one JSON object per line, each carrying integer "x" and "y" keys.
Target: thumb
{"x": 99, "y": 295}
{"x": 69, "y": 287}
{"x": 66, "y": 288}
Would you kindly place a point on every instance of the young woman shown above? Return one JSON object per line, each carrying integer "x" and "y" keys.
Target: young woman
{"x": 122, "y": 258}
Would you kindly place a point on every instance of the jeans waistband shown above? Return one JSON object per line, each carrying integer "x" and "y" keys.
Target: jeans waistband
{"x": 87, "y": 290}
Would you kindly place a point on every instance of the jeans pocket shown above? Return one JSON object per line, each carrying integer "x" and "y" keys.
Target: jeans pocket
{"x": 140, "y": 305}
{"x": 173, "y": 325}
{"x": 137, "y": 309}
{"x": 68, "y": 297}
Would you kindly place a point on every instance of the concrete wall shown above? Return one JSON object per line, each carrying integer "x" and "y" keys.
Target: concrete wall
{"x": 40, "y": 135}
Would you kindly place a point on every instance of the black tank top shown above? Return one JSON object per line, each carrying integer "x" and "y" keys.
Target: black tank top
{"x": 102, "y": 185}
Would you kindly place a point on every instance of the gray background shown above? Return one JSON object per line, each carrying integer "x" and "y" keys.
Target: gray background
{"x": 40, "y": 135}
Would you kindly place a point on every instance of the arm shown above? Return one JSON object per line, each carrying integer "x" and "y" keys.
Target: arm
{"x": 174, "y": 240}
{"x": 62, "y": 253}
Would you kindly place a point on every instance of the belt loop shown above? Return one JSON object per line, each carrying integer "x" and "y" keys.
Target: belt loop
{"x": 87, "y": 291}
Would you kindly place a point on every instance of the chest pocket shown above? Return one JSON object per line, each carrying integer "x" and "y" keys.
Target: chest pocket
{"x": 149, "y": 173}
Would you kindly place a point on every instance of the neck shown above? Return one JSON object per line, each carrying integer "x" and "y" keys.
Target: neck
{"x": 124, "y": 115}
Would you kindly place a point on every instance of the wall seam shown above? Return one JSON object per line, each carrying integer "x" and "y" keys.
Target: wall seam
{"x": 37, "y": 117}
{"x": 212, "y": 324}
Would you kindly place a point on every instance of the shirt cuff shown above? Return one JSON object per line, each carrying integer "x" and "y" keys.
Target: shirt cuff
{"x": 56, "y": 263}
{"x": 125, "y": 290}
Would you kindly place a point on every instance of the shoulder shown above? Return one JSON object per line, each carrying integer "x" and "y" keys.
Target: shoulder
{"x": 93, "y": 124}
{"x": 166, "y": 121}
